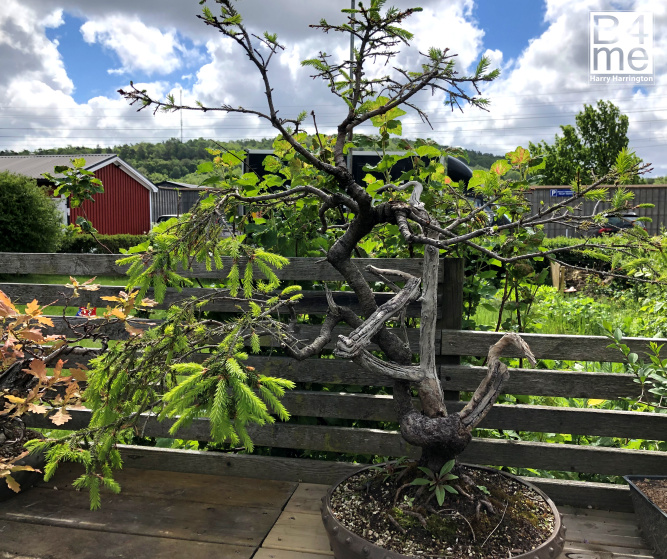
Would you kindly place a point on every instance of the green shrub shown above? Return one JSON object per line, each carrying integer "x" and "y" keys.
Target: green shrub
{"x": 577, "y": 258}
{"x": 87, "y": 244}
{"x": 29, "y": 220}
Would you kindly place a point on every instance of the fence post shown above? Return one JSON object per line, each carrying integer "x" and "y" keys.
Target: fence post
{"x": 451, "y": 307}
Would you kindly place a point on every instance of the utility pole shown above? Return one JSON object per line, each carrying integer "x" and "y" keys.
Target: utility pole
{"x": 349, "y": 135}
{"x": 181, "y": 111}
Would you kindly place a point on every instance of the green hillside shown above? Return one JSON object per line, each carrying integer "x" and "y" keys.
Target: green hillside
{"x": 173, "y": 160}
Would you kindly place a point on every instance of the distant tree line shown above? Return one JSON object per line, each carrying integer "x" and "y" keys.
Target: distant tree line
{"x": 178, "y": 161}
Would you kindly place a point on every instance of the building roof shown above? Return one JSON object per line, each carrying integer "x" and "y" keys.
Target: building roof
{"x": 174, "y": 184}
{"x": 35, "y": 165}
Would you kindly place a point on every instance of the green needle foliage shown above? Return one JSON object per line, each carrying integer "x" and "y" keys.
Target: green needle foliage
{"x": 188, "y": 367}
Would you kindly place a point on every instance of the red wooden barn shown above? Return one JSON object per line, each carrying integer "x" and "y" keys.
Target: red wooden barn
{"x": 125, "y": 206}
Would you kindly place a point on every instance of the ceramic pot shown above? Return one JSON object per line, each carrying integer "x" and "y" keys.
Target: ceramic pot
{"x": 25, "y": 479}
{"x": 348, "y": 545}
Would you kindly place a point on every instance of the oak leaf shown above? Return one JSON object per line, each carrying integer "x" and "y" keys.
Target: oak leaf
{"x": 32, "y": 334}
{"x": 79, "y": 374}
{"x": 133, "y": 330}
{"x": 13, "y": 484}
{"x": 60, "y": 417}
{"x": 38, "y": 369}
{"x": 44, "y": 320}
{"x": 37, "y": 408}
{"x": 6, "y": 306}
{"x": 32, "y": 308}
{"x": 118, "y": 313}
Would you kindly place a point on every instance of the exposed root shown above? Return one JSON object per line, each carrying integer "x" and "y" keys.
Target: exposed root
{"x": 488, "y": 506}
{"x": 462, "y": 492}
{"x": 398, "y": 491}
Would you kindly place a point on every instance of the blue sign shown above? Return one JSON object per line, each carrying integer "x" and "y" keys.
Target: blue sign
{"x": 561, "y": 192}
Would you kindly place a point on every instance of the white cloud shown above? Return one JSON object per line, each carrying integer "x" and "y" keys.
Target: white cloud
{"x": 139, "y": 47}
{"x": 26, "y": 53}
{"x": 543, "y": 87}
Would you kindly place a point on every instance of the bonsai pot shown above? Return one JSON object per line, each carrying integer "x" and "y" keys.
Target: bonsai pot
{"x": 651, "y": 518}
{"x": 346, "y": 544}
{"x": 24, "y": 478}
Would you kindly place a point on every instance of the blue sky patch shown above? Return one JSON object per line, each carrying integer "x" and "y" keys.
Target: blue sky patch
{"x": 87, "y": 65}
{"x": 510, "y": 24}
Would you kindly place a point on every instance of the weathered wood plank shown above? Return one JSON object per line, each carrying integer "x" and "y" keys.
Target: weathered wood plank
{"x": 307, "y": 498}
{"x": 312, "y": 302}
{"x": 159, "y": 517}
{"x": 542, "y": 382}
{"x": 584, "y": 494}
{"x": 265, "y": 553}
{"x": 521, "y": 454}
{"x": 563, "y": 492}
{"x": 320, "y": 371}
{"x": 231, "y": 464}
{"x": 577, "y": 421}
{"x": 177, "y": 487}
{"x": 299, "y": 532}
{"x": 594, "y": 538}
{"x": 299, "y": 269}
{"x": 597, "y": 514}
{"x": 61, "y": 542}
{"x": 599, "y": 526}
{"x": 551, "y": 346}
{"x": 116, "y": 331}
{"x": 533, "y": 382}
{"x": 579, "y": 550}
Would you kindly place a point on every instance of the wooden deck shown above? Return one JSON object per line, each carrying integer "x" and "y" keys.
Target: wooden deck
{"x": 161, "y": 514}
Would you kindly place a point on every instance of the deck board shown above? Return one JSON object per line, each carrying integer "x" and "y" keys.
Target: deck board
{"x": 163, "y": 514}
{"x": 156, "y": 515}
{"x": 56, "y": 542}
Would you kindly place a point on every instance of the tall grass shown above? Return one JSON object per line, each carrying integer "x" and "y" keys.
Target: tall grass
{"x": 554, "y": 312}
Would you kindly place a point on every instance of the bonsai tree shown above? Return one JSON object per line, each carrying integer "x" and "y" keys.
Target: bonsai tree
{"x": 423, "y": 212}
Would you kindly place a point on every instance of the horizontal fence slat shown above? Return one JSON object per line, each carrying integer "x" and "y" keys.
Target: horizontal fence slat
{"x": 520, "y": 454}
{"x": 543, "y": 419}
{"x": 232, "y": 464}
{"x": 532, "y": 382}
{"x": 306, "y": 332}
{"x": 586, "y": 494}
{"x": 319, "y": 371}
{"x": 299, "y": 269}
{"x": 549, "y": 346}
{"x": 543, "y": 382}
{"x": 604, "y": 496}
{"x": 312, "y": 302}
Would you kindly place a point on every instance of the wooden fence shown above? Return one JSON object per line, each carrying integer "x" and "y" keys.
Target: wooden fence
{"x": 324, "y": 433}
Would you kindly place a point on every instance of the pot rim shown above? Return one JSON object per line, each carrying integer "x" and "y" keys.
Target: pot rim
{"x": 556, "y": 540}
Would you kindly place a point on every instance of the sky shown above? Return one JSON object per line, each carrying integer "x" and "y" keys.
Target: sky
{"x": 62, "y": 62}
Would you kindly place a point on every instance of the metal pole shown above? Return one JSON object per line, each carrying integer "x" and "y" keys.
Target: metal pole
{"x": 349, "y": 135}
